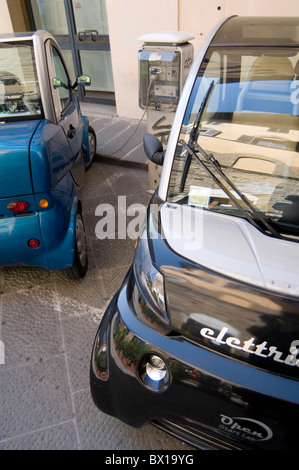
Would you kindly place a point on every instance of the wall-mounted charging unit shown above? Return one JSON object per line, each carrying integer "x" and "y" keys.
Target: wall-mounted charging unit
{"x": 164, "y": 62}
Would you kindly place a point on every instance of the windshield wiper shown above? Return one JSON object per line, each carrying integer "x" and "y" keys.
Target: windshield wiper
{"x": 229, "y": 192}
{"x": 193, "y": 136}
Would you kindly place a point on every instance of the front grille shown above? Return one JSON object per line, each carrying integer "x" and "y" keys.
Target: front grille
{"x": 192, "y": 437}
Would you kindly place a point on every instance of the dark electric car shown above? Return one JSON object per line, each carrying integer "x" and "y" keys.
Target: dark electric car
{"x": 202, "y": 339}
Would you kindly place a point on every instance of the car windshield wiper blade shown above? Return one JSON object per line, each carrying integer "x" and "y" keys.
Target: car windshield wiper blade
{"x": 193, "y": 135}
{"x": 233, "y": 189}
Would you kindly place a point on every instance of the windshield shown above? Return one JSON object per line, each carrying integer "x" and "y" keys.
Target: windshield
{"x": 246, "y": 102}
{"x": 19, "y": 90}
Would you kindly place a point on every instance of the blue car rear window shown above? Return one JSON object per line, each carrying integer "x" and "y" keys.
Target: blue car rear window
{"x": 19, "y": 89}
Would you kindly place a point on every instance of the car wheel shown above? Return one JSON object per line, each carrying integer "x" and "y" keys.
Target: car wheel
{"x": 79, "y": 268}
{"x": 92, "y": 143}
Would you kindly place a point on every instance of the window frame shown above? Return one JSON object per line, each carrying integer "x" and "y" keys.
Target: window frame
{"x": 60, "y": 109}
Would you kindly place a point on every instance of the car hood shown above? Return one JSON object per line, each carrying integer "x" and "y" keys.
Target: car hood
{"x": 230, "y": 288}
{"x": 232, "y": 247}
{"x": 15, "y": 174}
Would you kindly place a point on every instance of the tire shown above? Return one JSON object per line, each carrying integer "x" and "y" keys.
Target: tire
{"x": 92, "y": 143}
{"x": 79, "y": 268}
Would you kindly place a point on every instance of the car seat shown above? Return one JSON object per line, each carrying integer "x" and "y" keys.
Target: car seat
{"x": 268, "y": 88}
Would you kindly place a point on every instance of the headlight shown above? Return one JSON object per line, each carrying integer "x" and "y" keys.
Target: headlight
{"x": 154, "y": 373}
{"x": 149, "y": 280}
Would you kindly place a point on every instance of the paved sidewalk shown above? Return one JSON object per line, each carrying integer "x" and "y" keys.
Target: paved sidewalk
{"x": 48, "y": 324}
{"x": 119, "y": 140}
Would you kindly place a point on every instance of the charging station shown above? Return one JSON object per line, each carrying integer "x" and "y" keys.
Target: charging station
{"x": 164, "y": 63}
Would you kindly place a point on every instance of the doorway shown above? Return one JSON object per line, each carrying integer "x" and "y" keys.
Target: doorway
{"x": 81, "y": 30}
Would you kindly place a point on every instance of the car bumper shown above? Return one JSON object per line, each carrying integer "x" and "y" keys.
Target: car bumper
{"x": 208, "y": 400}
{"x": 54, "y": 230}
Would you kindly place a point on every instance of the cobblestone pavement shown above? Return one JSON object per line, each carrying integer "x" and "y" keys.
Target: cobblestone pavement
{"x": 48, "y": 325}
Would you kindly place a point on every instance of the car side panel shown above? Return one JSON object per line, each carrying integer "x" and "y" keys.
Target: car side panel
{"x": 73, "y": 127}
{"x": 52, "y": 161}
{"x": 59, "y": 244}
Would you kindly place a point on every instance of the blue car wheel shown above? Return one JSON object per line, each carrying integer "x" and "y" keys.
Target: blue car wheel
{"x": 79, "y": 268}
{"x": 92, "y": 145}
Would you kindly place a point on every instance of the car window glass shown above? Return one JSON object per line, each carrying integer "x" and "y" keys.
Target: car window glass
{"x": 19, "y": 89}
{"x": 60, "y": 81}
{"x": 250, "y": 124}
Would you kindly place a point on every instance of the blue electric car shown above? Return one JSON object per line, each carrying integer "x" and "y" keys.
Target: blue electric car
{"x": 45, "y": 147}
{"x": 202, "y": 339}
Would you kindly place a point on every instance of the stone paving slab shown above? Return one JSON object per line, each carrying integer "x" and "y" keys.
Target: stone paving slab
{"x": 119, "y": 140}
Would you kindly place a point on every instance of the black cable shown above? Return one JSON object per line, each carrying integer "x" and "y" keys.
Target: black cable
{"x": 120, "y": 148}
{"x": 140, "y": 120}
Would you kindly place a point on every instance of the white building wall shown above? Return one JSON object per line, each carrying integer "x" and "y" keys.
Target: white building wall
{"x": 129, "y": 19}
{"x": 5, "y": 22}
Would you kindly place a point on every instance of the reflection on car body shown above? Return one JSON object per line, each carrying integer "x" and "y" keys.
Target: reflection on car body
{"x": 203, "y": 335}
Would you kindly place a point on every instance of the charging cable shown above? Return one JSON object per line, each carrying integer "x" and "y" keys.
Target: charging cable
{"x": 153, "y": 76}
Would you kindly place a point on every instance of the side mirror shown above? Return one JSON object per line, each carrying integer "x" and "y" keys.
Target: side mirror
{"x": 84, "y": 80}
{"x": 153, "y": 149}
{"x": 56, "y": 82}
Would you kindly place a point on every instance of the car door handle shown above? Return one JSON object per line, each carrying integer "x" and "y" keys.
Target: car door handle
{"x": 71, "y": 132}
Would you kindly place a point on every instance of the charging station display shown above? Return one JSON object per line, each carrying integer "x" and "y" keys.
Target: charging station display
{"x": 159, "y": 86}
